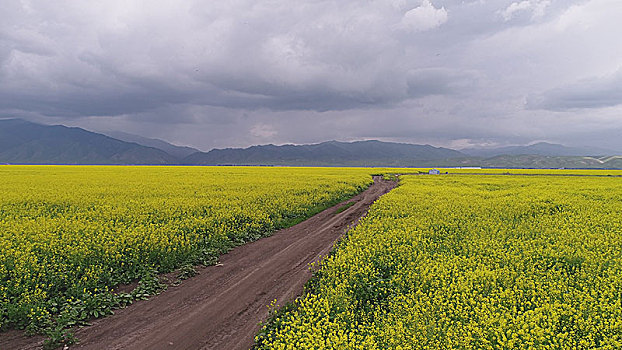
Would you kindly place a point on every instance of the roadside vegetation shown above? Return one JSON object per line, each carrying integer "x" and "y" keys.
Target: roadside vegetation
{"x": 470, "y": 262}
{"x": 70, "y": 234}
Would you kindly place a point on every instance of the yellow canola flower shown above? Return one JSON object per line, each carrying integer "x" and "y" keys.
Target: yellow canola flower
{"x": 472, "y": 262}
{"x": 71, "y": 233}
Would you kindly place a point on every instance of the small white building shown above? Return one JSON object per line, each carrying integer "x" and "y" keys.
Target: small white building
{"x": 434, "y": 172}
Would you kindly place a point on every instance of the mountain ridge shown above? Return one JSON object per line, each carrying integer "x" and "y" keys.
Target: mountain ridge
{"x": 539, "y": 148}
{"x": 174, "y": 150}
{"x": 24, "y": 142}
{"x": 369, "y": 152}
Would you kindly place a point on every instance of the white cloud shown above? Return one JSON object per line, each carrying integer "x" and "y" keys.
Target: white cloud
{"x": 536, "y": 7}
{"x": 263, "y": 131}
{"x": 424, "y": 17}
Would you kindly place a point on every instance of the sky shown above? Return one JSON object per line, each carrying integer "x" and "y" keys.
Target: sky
{"x": 215, "y": 74}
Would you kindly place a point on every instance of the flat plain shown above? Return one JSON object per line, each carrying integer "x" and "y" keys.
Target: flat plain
{"x": 470, "y": 262}
{"x": 70, "y": 234}
{"x": 473, "y": 258}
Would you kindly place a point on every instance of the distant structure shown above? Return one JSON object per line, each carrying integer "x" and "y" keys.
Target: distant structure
{"x": 434, "y": 172}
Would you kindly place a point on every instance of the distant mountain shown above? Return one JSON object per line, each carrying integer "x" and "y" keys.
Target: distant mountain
{"x": 331, "y": 153}
{"x": 24, "y": 142}
{"x": 537, "y": 161}
{"x": 540, "y": 148}
{"x": 174, "y": 150}
{"x": 533, "y": 161}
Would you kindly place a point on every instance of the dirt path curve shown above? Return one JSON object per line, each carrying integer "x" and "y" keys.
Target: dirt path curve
{"x": 221, "y": 307}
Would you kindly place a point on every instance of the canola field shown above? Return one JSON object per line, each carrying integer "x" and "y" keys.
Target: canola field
{"x": 70, "y": 234}
{"x": 470, "y": 262}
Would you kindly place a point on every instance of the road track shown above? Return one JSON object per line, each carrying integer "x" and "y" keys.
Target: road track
{"x": 221, "y": 308}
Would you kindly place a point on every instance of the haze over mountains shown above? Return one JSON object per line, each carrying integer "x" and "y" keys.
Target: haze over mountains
{"x": 364, "y": 153}
{"x": 23, "y": 142}
{"x": 540, "y": 148}
{"x": 174, "y": 150}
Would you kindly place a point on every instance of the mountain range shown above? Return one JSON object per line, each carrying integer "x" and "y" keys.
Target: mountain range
{"x": 178, "y": 152}
{"x": 359, "y": 153}
{"x": 540, "y": 148}
{"x": 23, "y": 142}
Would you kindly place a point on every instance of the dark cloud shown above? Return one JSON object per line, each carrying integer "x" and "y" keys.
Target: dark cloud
{"x": 326, "y": 55}
{"x": 215, "y": 74}
{"x": 439, "y": 81}
{"x": 590, "y": 93}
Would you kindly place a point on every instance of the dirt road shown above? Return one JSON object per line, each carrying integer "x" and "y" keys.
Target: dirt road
{"x": 221, "y": 307}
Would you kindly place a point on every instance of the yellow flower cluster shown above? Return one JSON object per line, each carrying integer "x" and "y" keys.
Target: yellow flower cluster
{"x": 70, "y": 233}
{"x": 470, "y": 262}
{"x": 544, "y": 172}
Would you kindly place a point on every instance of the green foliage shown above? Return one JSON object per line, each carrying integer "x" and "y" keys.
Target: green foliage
{"x": 186, "y": 271}
{"x": 344, "y": 207}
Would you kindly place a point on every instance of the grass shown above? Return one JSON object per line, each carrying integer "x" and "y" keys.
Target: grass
{"x": 344, "y": 207}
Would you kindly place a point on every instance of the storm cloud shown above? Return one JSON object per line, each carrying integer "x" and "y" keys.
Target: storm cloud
{"x": 236, "y": 73}
{"x": 592, "y": 93}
